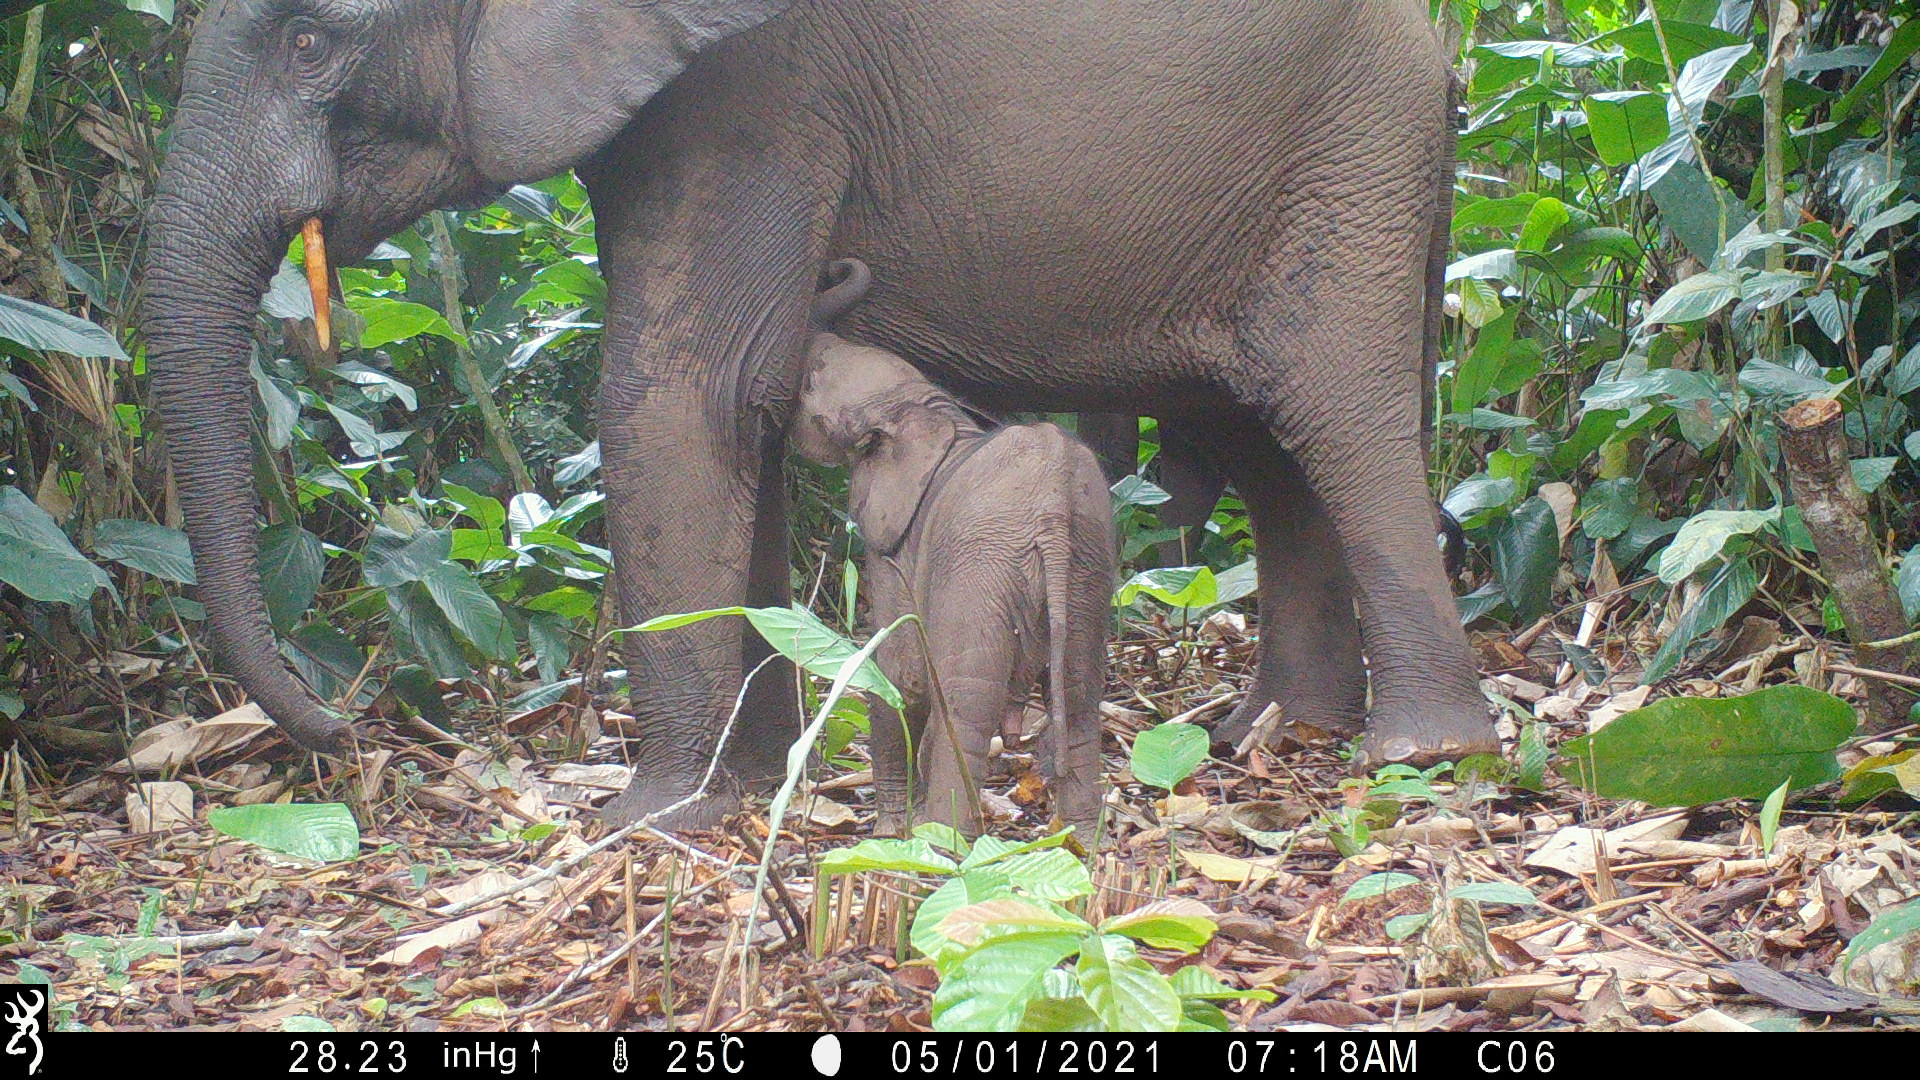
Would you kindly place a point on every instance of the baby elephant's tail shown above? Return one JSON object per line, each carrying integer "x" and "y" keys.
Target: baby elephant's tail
{"x": 847, "y": 283}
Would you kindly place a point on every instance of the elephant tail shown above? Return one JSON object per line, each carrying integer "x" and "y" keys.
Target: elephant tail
{"x": 1439, "y": 240}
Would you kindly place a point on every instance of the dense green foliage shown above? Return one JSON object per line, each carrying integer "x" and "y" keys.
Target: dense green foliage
{"x": 1630, "y": 307}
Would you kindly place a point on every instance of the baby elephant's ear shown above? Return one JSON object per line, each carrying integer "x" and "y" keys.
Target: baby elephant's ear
{"x": 544, "y": 83}
{"x": 885, "y": 487}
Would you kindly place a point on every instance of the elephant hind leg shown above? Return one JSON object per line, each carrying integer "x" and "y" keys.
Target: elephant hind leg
{"x": 1309, "y": 657}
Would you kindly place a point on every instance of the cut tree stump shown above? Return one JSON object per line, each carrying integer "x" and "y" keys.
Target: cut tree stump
{"x": 1813, "y": 440}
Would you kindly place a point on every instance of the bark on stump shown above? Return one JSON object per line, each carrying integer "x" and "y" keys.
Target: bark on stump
{"x": 1813, "y": 441}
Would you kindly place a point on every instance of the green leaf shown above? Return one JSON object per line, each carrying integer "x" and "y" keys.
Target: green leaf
{"x": 1526, "y": 556}
{"x": 485, "y": 510}
{"x": 1695, "y": 298}
{"x": 1164, "y": 924}
{"x": 292, "y": 563}
{"x": 1546, "y": 218}
{"x": 1124, "y": 990}
{"x": 944, "y": 837}
{"x": 1402, "y": 927}
{"x": 1479, "y": 302}
{"x": 37, "y": 558}
{"x": 1197, "y": 983}
{"x": 801, "y": 637}
{"x": 471, "y": 611}
{"x": 1893, "y": 924}
{"x": 1494, "y": 892}
{"x": 950, "y": 897}
{"x": 989, "y": 850}
{"x": 324, "y": 832}
{"x": 1050, "y": 874}
{"x": 1608, "y": 507}
{"x": 1166, "y": 754}
{"x": 914, "y": 856}
{"x": 1770, "y": 816}
{"x": 1057, "y": 1009}
{"x": 1870, "y": 473}
{"x": 1377, "y": 885}
{"x": 1688, "y": 751}
{"x": 1727, "y": 593}
{"x": 378, "y": 385}
{"x": 567, "y": 601}
{"x": 988, "y": 920}
{"x": 424, "y": 631}
{"x": 388, "y": 321}
{"x": 1703, "y": 537}
{"x": 1626, "y": 124}
{"x": 989, "y": 989}
{"x": 1900, "y": 47}
{"x": 38, "y": 326}
{"x": 149, "y": 548}
{"x": 393, "y": 559}
{"x": 1782, "y": 385}
{"x": 1174, "y": 586}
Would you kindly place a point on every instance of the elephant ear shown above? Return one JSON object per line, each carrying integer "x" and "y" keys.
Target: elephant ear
{"x": 547, "y": 82}
{"x": 885, "y": 487}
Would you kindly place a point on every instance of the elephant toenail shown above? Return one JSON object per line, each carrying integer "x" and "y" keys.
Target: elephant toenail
{"x": 1398, "y": 748}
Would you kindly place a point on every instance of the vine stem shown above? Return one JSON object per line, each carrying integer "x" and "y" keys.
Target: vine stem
{"x": 447, "y": 268}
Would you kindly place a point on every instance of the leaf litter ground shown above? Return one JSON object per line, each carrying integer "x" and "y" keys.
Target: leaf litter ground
{"x": 144, "y": 916}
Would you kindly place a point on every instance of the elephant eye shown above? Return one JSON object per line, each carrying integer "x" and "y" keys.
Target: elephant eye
{"x": 866, "y": 443}
{"x": 309, "y": 44}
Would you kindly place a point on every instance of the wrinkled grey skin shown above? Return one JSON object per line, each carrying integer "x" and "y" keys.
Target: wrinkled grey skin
{"x": 1002, "y": 543}
{"x": 1231, "y": 215}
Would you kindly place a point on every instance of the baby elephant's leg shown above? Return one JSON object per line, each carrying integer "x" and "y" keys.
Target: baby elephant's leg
{"x": 974, "y": 662}
{"x": 895, "y": 738}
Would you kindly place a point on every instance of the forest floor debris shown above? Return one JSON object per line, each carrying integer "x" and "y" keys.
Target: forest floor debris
{"x": 143, "y": 916}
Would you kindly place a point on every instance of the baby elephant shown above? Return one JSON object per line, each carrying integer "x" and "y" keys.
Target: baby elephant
{"x": 1001, "y": 541}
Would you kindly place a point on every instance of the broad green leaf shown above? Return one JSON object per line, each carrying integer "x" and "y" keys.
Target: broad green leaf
{"x": 297, "y": 1024}
{"x": 1174, "y": 586}
{"x": 1688, "y": 751}
{"x": 1479, "y": 303}
{"x": 378, "y": 385}
{"x": 978, "y": 923}
{"x": 1050, "y": 874}
{"x": 1893, "y": 924}
{"x": 1608, "y": 507}
{"x": 1705, "y": 535}
{"x": 1165, "y": 754}
{"x": 1494, "y": 892}
{"x": 950, "y": 897}
{"x": 325, "y": 832}
{"x": 1059, "y": 1009}
{"x": 1526, "y": 556}
{"x": 388, "y": 321}
{"x": 1870, "y": 473}
{"x": 1910, "y": 583}
{"x": 47, "y": 329}
{"x": 292, "y": 563}
{"x": 1402, "y": 927}
{"x": 471, "y": 611}
{"x": 393, "y": 559}
{"x": 423, "y": 631}
{"x": 1626, "y": 124}
{"x": 944, "y": 837}
{"x": 148, "y": 548}
{"x": 1196, "y": 982}
{"x": 485, "y": 510}
{"x": 479, "y": 546}
{"x": 1728, "y": 592}
{"x": 989, "y": 850}
{"x": 989, "y": 989}
{"x": 567, "y": 601}
{"x": 801, "y": 637}
{"x": 1495, "y": 265}
{"x": 1782, "y": 385}
{"x": 1899, "y": 48}
{"x": 1124, "y": 990}
{"x": 1378, "y": 885}
{"x": 1181, "y": 925}
{"x": 37, "y": 558}
{"x": 1546, "y": 218}
{"x": 1695, "y": 298}
{"x": 914, "y": 856}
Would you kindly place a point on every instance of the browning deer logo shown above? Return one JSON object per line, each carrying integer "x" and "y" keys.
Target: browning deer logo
{"x": 23, "y": 1012}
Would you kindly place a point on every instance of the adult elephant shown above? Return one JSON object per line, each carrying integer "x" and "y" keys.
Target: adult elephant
{"x": 1222, "y": 212}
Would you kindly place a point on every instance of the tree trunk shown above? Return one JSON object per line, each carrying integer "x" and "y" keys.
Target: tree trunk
{"x": 1813, "y": 440}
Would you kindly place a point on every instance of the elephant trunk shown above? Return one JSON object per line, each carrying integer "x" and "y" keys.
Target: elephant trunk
{"x": 216, "y": 240}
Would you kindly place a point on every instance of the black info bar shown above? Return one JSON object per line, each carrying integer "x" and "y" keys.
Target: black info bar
{"x": 482, "y": 1055}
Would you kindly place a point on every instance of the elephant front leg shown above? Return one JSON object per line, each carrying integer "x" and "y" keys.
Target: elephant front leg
{"x": 710, "y": 264}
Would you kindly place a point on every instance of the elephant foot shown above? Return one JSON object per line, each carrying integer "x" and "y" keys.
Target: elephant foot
{"x": 1239, "y": 724}
{"x": 642, "y": 798}
{"x": 891, "y": 823}
{"x": 1427, "y": 737}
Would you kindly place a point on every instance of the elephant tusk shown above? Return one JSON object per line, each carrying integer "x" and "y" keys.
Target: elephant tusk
{"x": 316, "y": 246}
